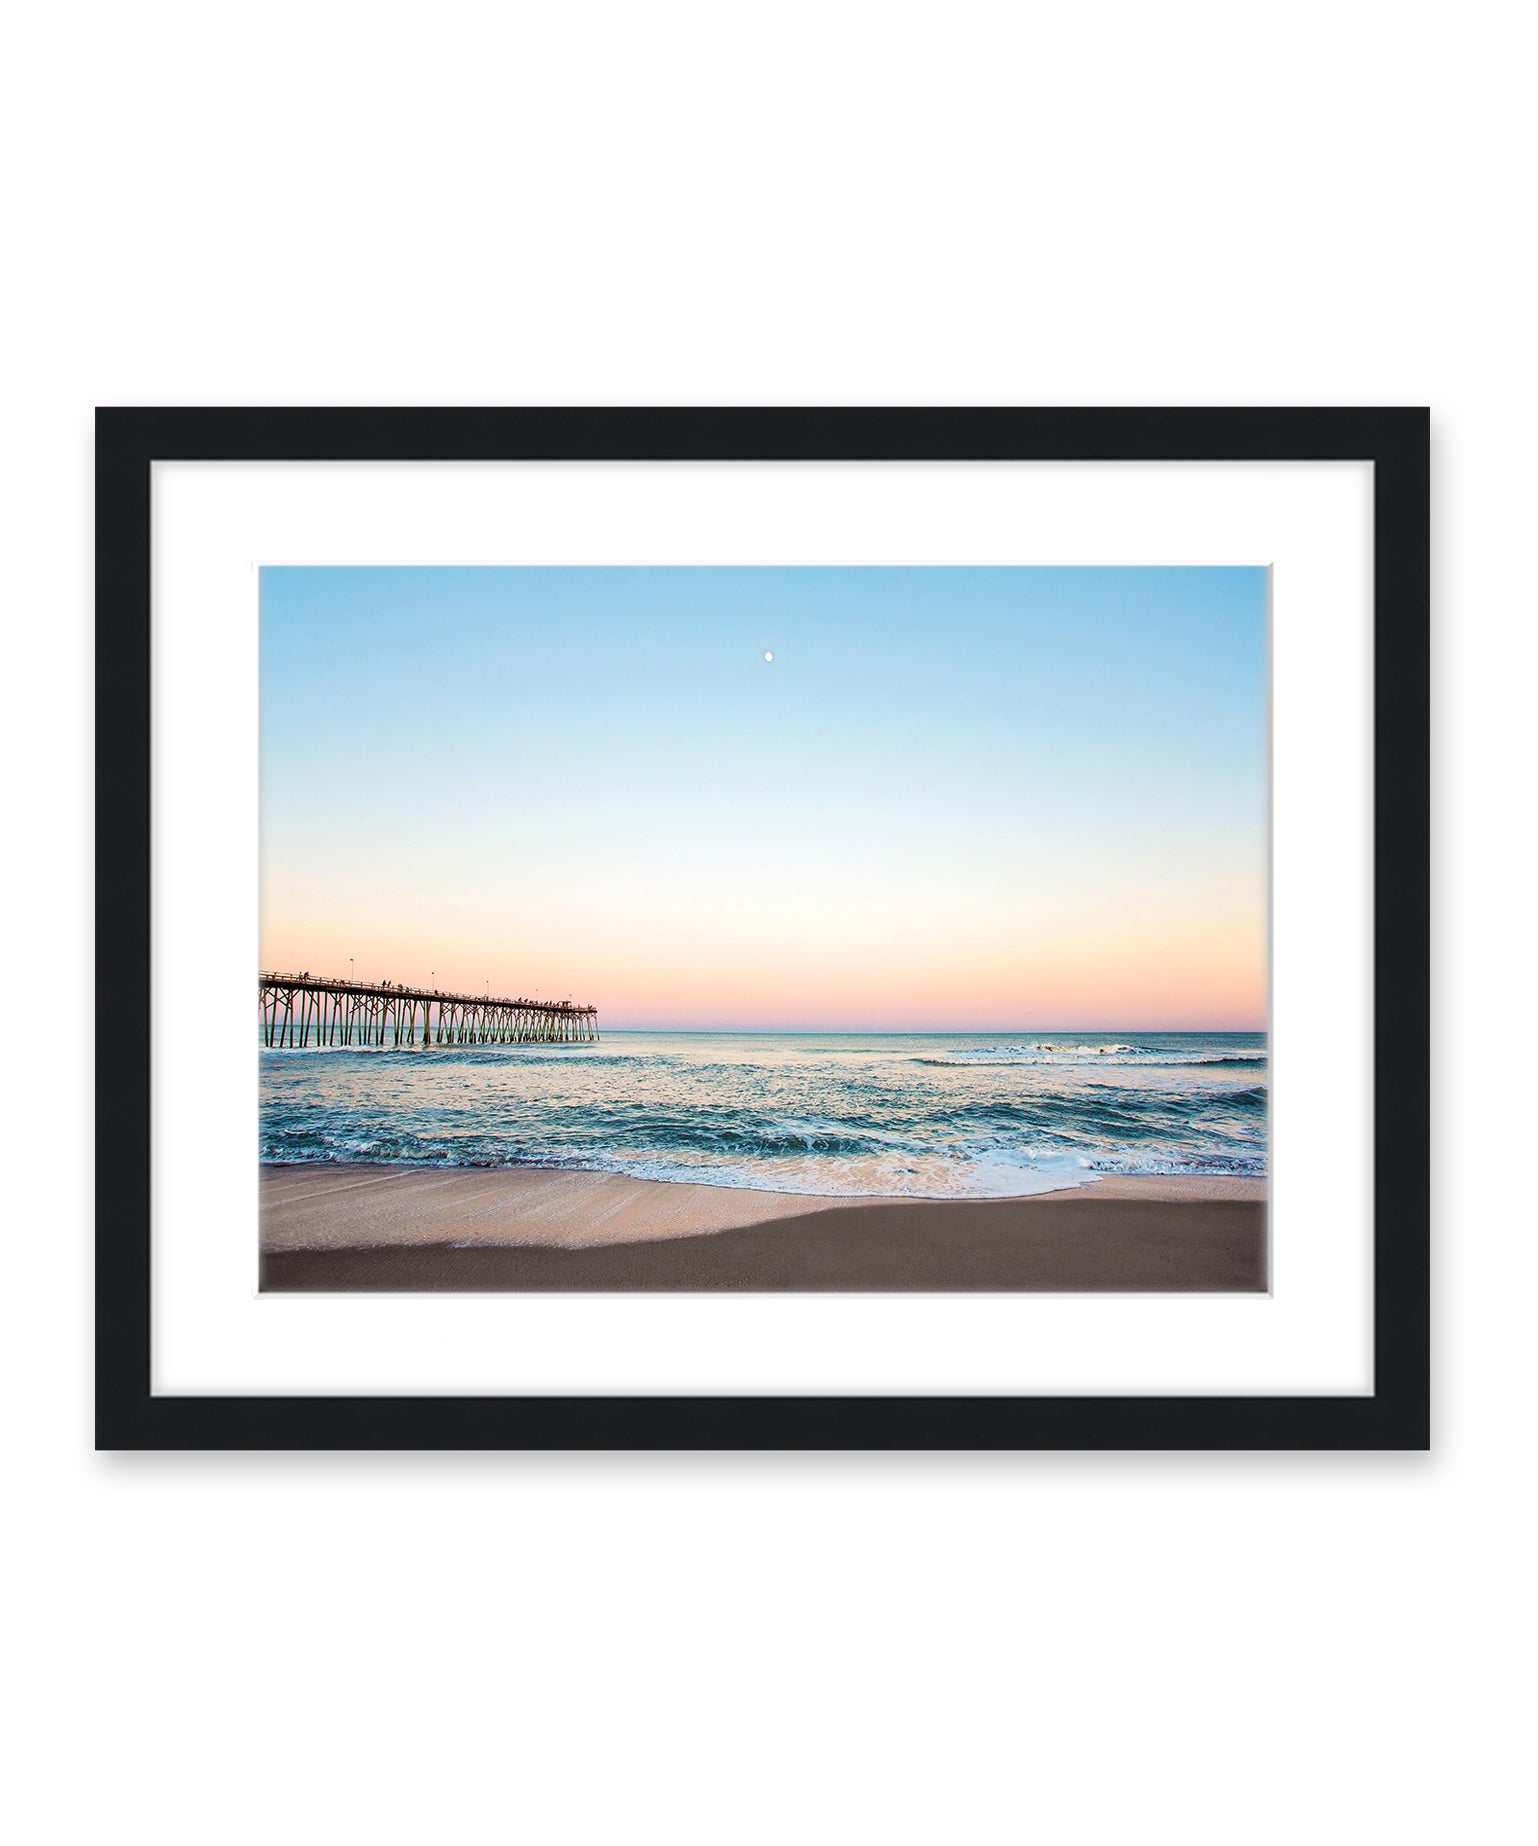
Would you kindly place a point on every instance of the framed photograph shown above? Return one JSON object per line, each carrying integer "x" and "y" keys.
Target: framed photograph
{"x": 748, "y": 929}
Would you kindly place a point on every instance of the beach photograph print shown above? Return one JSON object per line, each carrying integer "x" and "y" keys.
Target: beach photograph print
{"x": 764, "y": 928}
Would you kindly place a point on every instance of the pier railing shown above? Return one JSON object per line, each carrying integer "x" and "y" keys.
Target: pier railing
{"x": 312, "y": 1009}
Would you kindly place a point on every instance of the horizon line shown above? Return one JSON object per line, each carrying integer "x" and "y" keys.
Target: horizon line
{"x": 936, "y": 1031}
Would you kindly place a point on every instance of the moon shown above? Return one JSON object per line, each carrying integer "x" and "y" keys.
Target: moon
{"x": 768, "y": 656}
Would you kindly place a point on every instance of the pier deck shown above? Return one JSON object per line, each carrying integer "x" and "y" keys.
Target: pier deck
{"x": 299, "y": 1010}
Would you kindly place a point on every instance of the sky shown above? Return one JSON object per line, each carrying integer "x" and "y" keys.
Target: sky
{"x": 956, "y": 799}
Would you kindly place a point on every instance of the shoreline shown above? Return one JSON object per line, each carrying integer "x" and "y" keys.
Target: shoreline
{"x": 333, "y": 1227}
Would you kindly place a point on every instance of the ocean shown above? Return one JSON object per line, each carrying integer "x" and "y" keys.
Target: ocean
{"x": 923, "y": 1115}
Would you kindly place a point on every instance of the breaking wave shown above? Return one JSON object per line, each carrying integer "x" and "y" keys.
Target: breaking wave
{"x": 896, "y": 1116}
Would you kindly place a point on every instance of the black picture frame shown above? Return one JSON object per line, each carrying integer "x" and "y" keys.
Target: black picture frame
{"x": 1396, "y": 441}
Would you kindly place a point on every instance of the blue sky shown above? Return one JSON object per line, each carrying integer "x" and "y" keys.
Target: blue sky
{"x": 954, "y": 791}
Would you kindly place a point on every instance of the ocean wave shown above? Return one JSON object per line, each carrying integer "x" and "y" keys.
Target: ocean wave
{"x": 1038, "y": 1128}
{"x": 1197, "y": 1166}
{"x": 788, "y": 1113}
{"x": 1136, "y": 1057}
{"x": 1121, "y": 1115}
{"x": 452, "y": 1054}
{"x": 1009, "y": 1054}
{"x": 986, "y": 1173}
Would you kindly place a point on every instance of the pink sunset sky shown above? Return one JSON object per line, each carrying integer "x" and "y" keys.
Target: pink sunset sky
{"x": 954, "y": 800}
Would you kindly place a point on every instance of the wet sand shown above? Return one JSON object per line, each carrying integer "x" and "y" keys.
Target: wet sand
{"x": 344, "y": 1229}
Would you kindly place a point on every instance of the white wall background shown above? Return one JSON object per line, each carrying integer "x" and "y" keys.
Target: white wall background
{"x": 805, "y": 203}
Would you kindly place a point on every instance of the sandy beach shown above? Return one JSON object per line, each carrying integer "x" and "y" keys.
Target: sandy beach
{"x": 336, "y": 1228}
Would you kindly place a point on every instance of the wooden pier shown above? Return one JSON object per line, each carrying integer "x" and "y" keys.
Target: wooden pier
{"x": 300, "y": 1010}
